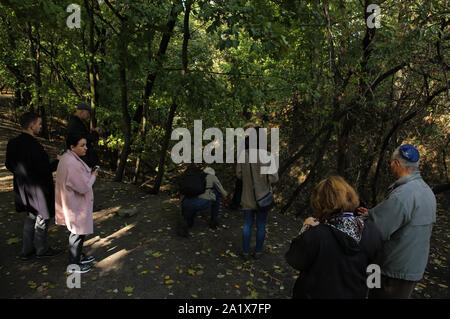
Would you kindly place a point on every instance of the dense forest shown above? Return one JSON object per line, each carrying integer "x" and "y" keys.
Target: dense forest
{"x": 344, "y": 85}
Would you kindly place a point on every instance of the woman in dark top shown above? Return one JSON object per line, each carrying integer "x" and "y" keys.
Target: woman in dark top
{"x": 334, "y": 249}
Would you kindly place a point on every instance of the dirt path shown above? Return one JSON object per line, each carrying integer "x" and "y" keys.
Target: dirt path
{"x": 142, "y": 257}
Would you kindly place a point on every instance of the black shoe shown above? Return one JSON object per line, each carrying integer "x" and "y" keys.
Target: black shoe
{"x": 257, "y": 255}
{"x": 28, "y": 256}
{"x": 183, "y": 233}
{"x": 183, "y": 230}
{"x": 86, "y": 260}
{"x": 213, "y": 224}
{"x": 81, "y": 269}
{"x": 245, "y": 256}
{"x": 49, "y": 253}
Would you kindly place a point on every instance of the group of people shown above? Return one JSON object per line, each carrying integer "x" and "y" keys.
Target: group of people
{"x": 332, "y": 251}
{"x": 337, "y": 244}
{"x": 335, "y": 247}
{"x": 69, "y": 200}
{"x": 251, "y": 186}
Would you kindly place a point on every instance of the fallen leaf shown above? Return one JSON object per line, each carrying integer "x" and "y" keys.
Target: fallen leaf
{"x": 128, "y": 289}
{"x": 14, "y": 240}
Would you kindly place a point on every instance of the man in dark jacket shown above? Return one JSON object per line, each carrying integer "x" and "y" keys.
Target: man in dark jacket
{"x": 34, "y": 191}
{"x": 77, "y": 126}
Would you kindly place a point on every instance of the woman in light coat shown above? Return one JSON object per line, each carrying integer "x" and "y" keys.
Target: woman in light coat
{"x": 254, "y": 187}
{"x": 74, "y": 200}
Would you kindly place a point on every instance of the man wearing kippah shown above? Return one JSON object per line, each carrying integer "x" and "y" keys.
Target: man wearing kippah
{"x": 77, "y": 126}
{"x": 405, "y": 219}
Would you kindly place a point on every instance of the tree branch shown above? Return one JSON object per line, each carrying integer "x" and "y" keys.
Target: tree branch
{"x": 117, "y": 14}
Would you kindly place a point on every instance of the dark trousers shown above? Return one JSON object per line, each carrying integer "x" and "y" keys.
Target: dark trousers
{"x": 34, "y": 235}
{"x": 75, "y": 248}
{"x": 190, "y": 206}
{"x": 392, "y": 288}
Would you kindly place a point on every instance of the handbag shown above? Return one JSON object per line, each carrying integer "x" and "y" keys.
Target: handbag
{"x": 267, "y": 201}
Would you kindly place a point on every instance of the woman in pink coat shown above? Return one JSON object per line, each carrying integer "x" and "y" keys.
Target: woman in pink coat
{"x": 74, "y": 200}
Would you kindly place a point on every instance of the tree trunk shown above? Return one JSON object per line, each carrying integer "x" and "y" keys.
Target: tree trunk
{"x": 124, "y": 102}
{"x": 165, "y": 146}
{"x": 92, "y": 66}
{"x": 35, "y": 54}
{"x": 151, "y": 77}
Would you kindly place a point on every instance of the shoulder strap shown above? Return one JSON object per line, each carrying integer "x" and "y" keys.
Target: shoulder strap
{"x": 253, "y": 181}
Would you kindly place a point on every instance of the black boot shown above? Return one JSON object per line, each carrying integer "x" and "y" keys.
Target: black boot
{"x": 183, "y": 229}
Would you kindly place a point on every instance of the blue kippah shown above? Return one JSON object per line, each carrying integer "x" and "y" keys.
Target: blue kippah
{"x": 409, "y": 153}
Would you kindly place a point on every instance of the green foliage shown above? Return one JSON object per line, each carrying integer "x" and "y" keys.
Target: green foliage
{"x": 292, "y": 64}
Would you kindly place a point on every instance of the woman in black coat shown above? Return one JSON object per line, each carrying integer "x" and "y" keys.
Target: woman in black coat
{"x": 334, "y": 249}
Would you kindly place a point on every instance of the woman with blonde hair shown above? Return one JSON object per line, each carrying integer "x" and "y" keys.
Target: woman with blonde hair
{"x": 334, "y": 249}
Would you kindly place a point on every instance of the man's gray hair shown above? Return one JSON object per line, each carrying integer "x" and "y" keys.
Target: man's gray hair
{"x": 404, "y": 162}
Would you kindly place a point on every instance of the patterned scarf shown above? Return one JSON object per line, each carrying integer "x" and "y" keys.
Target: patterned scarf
{"x": 348, "y": 224}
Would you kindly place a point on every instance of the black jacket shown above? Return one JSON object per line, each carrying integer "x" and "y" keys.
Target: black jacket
{"x": 331, "y": 263}
{"x": 34, "y": 190}
{"x": 76, "y": 126}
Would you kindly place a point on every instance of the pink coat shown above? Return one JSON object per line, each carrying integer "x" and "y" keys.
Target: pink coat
{"x": 74, "y": 197}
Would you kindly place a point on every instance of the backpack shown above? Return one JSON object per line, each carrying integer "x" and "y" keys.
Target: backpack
{"x": 192, "y": 183}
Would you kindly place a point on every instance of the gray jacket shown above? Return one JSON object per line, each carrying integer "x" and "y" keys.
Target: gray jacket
{"x": 405, "y": 219}
{"x": 212, "y": 182}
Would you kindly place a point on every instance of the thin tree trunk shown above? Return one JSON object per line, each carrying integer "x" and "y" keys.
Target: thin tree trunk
{"x": 91, "y": 66}
{"x": 35, "y": 54}
{"x": 151, "y": 77}
{"x": 124, "y": 103}
{"x": 165, "y": 146}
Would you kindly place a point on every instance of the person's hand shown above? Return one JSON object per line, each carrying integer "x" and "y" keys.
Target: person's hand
{"x": 362, "y": 211}
{"x": 58, "y": 157}
{"x": 308, "y": 223}
{"x": 98, "y": 130}
{"x": 95, "y": 172}
{"x": 311, "y": 221}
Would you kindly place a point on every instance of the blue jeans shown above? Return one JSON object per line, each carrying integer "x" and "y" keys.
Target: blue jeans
{"x": 261, "y": 220}
{"x": 190, "y": 206}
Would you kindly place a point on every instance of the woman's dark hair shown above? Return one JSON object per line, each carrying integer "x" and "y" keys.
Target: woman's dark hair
{"x": 27, "y": 118}
{"x": 73, "y": 139}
